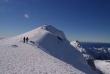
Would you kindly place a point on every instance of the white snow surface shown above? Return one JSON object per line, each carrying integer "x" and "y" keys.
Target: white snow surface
{"x": 103, "y": 65}
{"x": 45, "y": 53}
{"x": 78, "y": 46}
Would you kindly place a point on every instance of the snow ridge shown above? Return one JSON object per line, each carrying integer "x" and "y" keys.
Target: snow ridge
{"x": 54, "y": 31}
{"x": 47, "y": 46}
{"x": 78, "y": 46}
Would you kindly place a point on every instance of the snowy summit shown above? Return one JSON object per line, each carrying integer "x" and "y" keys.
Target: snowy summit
{"x": 47, "y": 52}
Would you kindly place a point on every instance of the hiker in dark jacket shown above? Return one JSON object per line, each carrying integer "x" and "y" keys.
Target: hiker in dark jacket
{"x": 27, "y": 40}
{"x": 24, "y": 39}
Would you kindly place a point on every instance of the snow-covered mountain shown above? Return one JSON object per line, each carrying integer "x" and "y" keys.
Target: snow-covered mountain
{"x": 93, "y": 52}
{"x": 79, "y": 47}
{"x": 86, "y": 55}
{"x": 47, "y": 52}
{"x": 96, "y": 51}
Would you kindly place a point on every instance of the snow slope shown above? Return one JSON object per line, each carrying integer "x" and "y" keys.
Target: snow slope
{"x": 78, "y": 46}
{"x": 92, "y": 52}
{"x": 103, "y": 65}
{"x": 48, "y": 52}
{"x": 26, "y": 59}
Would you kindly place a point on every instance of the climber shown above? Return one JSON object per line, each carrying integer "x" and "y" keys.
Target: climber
{"x": 27, "y": 40}
{"x": 24, "y": 39}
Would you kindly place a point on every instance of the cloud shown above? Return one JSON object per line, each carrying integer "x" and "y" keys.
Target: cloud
{"x": 26, "y": 16}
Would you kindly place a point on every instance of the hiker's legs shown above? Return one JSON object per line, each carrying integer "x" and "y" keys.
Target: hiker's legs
{"x": 24, "y": 41}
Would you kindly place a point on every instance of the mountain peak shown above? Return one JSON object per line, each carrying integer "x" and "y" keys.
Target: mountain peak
{"x": 54, "y": 31}
{"x": 50, "y": 28}
{"x": 76, "y": 43}
{"x": 39, "y": 33}
{"x": 46, "y": 26}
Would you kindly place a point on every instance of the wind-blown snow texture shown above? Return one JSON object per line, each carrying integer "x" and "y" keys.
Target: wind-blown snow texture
{"x": 48, "y": 52}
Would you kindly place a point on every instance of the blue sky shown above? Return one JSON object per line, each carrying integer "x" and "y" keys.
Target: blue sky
{"x": 83, "y": 20}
